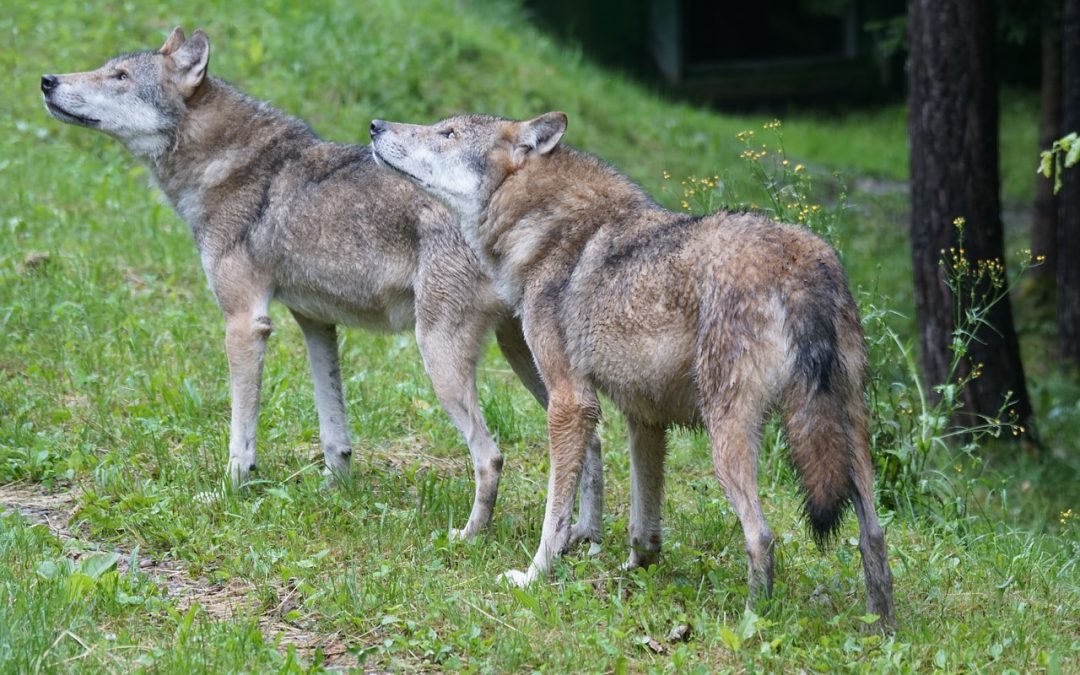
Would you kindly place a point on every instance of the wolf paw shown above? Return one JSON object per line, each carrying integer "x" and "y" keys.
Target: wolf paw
{"x": 639, "y": 559}
{"x": 332, "y": 479}
{"x": 516, "y": 578}
{"x": 579, "y": 532}
{"x": 463, "y": 534}
{"x": 336, "y": 464}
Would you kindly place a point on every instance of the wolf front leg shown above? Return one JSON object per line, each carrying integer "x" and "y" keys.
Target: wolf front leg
{"x": 589, "y": 524}
{"x": 573, "y": 412}
{"x": 246, "y": 332}
{"x": 322, "y": 349}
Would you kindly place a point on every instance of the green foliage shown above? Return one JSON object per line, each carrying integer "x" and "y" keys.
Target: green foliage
{"x": 920, "y": 442}
{"x": 916, "y": 436}
{"x": 1063, "y": 154}
{"x": 889, "y": 35}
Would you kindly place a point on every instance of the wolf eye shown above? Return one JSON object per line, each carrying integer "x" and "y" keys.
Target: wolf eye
{"x": 121, "y": 75}
{"x": 447, "y": 133}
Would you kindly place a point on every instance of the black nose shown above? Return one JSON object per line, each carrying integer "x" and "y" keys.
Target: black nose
{"x": 49, "y": 82}
{"x": 377, "y": 127}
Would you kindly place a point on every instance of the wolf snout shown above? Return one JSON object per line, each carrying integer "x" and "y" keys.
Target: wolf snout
{"x": 377, "y": 126}
{"x": 49, "y": 82}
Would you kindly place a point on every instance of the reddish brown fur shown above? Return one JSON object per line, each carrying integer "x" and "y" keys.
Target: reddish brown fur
{"x": 707, "y": 321}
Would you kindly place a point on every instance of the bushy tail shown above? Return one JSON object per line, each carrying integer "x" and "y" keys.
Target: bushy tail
{"x": 823, "y": 406}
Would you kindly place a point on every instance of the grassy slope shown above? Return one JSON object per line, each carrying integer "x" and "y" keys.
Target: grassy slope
{"x": 112, "y": 378}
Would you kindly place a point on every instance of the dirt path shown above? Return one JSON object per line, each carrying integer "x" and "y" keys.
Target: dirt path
{"x": 222, "y": 601}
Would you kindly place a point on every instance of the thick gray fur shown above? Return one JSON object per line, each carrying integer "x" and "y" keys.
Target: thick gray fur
{"x": 279, "y": 214}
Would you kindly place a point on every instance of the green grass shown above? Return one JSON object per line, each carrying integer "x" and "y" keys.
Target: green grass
{"x": 113, "y": 384}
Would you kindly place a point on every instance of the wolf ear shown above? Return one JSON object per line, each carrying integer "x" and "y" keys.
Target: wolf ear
{"x": 190, "y": 60}
{"x": 540, "y": 134}
{"x": 176, "y": 38}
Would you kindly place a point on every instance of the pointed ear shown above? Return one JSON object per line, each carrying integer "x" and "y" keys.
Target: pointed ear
{"x": 540, "y": 134}
{"x": 190, "y": 61}
{"x": 176, "y": 38}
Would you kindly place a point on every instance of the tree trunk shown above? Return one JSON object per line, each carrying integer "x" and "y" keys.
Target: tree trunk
{"x": 953, "y": 132}
{"x": 1044, "y": 221}
{"x": 1068, "y": 277}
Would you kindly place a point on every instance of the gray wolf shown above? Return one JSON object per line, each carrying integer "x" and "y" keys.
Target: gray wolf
{"x": 709, "y": 322}
{"x": 279, "y": 214}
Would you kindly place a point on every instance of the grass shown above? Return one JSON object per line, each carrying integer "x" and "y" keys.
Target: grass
{"x": 113, "y": 389}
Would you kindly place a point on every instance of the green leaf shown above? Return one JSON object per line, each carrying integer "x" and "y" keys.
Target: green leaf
{"x": 1046, "y": 163}
{"x": 48, "y": 569}
{"x": 280, "y": 494}
{"x": 1073, "y": 155}
{"x": 622, "y": 666}
{"x": 125, "y": 599}
{"x": 728, "y": 636}
{"x": 79, "y": 585}
{"x": 255, "y": 50}
{"x": 97, "y": 564}
{"x": 869, "y": 618}
{"x": 747, "y": 625}
{"x": 529, "y": 601}
{"x": 188, "y": 620}
{"x": 1053, "y": 664}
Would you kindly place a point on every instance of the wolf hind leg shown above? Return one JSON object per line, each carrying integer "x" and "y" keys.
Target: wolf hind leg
{"x": 323, "y": 358}
{"x": 827, "y": 431}
{"x": 879, "y": 581}
{"x": 735, "y": 434}
{"x": 450, "y": 351}
{"x": 589, "y": 525}
{"x": 647, "y": 454}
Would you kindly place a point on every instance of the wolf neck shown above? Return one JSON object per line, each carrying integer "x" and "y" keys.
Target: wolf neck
{"x": 222, "y": 132}
{"x": 559, "y": 200}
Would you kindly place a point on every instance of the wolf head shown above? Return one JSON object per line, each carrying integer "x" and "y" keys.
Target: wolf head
{"x": 463, "y": 160}
{"x": 138, "y": 98}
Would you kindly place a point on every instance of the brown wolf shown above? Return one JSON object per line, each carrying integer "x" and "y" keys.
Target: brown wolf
{"x": 680, "y": 320}
{"x": 279, "y": 214}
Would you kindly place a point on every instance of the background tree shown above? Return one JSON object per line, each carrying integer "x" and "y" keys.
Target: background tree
{"x": 953, "y": 132}
{"x": 1068, "y": 268}
{"x": 1044, "y": 221}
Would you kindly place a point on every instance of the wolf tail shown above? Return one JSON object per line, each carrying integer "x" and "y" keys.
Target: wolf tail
{"x": 823, "y": 405}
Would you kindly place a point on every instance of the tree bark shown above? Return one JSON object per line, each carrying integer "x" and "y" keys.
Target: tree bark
{"x": 1068, "y": 269}
{"x": 1044, "y": 223}
{"x": 953, "y": 136}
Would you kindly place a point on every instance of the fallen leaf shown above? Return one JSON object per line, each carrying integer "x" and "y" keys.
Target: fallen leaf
{"x": 680, "y": 633}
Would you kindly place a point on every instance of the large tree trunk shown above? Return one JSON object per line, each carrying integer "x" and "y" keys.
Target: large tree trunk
{"x": 1068, "y": 285}
{"x": 953, "y": 131}
{"x": 1044, "y": 222}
